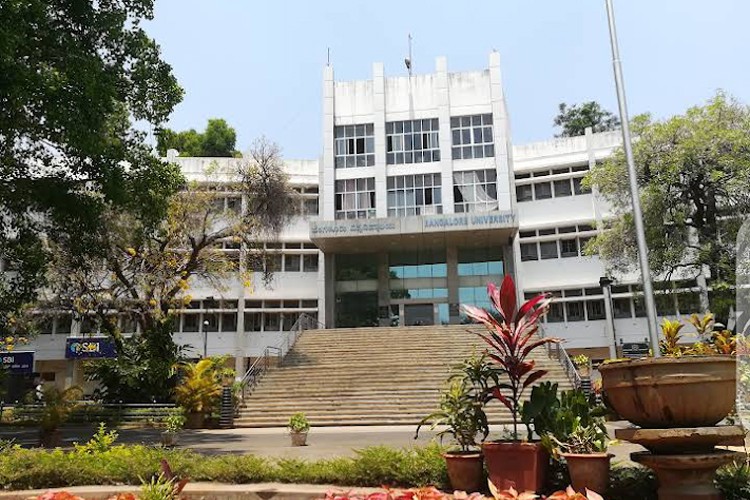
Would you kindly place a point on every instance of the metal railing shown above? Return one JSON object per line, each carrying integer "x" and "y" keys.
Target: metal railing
{"x": 274, "y": 355}
{"x": 556, "y": 351}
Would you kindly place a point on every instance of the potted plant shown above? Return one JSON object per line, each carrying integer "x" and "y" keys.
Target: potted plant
{"x": 463, "y": 417}
{"x": 199, "y": 389}
{"x": 57, "y": 405}
{"x": 583, "y": 365}
{"x": 173, "y": 425}
{"x": 511, "y": 337}
{"x": 298, "y": 429}
{"x": 585, "y": 453}
{"x": 687, "y": 387}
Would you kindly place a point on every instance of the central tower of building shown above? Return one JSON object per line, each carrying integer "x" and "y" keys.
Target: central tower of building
{"x": 417, "y": 208}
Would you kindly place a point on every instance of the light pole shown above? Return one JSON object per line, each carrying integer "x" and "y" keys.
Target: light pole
{"x": 640, "y": 235}
{"x": 206, "y": 323}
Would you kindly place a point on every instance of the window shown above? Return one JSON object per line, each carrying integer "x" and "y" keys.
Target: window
{"x": 548, "y": 249}
{"x": 63, "y": 324}
{"x": 210, "y": 322}
{"x": 288, "y": 320}
{"x": 355, "y": 198}
{"x": 595, "y": 309}
{"x": 292, "y": 263}
{"x": 542, "y": 191}
{"x": 569, "y": 248}
{"x": 472, "y": 137}
{"x": 354, "y": 146}
{"x": 621, "y": 308}
{"x": 480, "y": 261}
{"x": 412, "y": 141}
{"x": 229, "y": 322}
{"x": 562, "y": 188}
{"x": 419, "y": 194}
{"x": 310, "y": 263}
{"x": 555, "y": 313}
{"x": 253, "y": 321}
{"x": 273, "y": 262}
{"x": 190, "y": 322}
{"x": 577, "y": 186}
{"x": 310, "y": 207}
{"x": 271, "y": 322}
{"x": 475, "y": 191}
{"x": 575, "y": 311}
{"x": 529, "y": 252}
{"x": 524, "y": 192}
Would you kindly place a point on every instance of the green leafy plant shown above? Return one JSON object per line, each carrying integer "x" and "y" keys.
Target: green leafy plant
{"x": 199, "y": 389}
{"x": 511, "y": 337}
{"x": 57, "y": 405}
{"x": 299, "y": 423}
{"x": 164, "y": 486}
{"x": 669, "y": 346}
{"x": 584, "y": 439}
{"x": 100, "y": 442}
{"x": 734, "y": 480}
{"x": 174, "y": 422}
{"x": 461, "y": 414}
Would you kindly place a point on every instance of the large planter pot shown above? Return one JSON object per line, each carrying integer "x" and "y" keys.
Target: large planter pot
{"x": 169, "y": 438}
{"x": 50, "y": 438}
{"x": 588, "y": 471}
{"x": 195, "y": 420}
{"x": 298, "y": 438}
{"x": 657, "y": 393}
{"x": 465, "y": 471}
{"x": 523, "y": 464}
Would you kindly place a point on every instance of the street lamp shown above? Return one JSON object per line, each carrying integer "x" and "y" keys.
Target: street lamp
{"x": 640, "y": 234}
{"x": 206, "y": 323}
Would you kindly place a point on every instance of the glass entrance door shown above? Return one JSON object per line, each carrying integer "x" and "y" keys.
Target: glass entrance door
{"x": 419, "y": 314}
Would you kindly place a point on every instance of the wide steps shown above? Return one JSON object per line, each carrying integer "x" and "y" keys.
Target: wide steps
{"x": 371, "y": 376}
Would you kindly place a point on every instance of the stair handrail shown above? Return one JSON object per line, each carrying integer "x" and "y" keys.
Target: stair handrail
{"x": 557, "y": 351}
{"x": 263, "y": 363}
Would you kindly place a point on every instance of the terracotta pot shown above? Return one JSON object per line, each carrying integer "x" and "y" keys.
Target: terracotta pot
{"x": 465, "y": 471}
{"x": 299, "y": 438}
{"x": 50, "y": 438}
{"x": 654, "y": 393}
{"x": 523, "y": 464}
{"x": 588, "y": 471}
{"x": 169, "y": 438}
{"x": 195, "y": 420}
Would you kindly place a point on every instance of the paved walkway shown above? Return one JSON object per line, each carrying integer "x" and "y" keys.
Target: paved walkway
{"x": 323, "y": 442}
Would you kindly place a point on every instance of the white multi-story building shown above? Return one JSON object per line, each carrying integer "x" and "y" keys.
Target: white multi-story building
{"x": 419, "y": 199}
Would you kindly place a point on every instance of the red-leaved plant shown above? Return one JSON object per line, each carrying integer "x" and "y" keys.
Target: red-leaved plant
{"x": 511, "y": 338}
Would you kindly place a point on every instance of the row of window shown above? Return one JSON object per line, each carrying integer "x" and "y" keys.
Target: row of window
{"x": 355, "y": 198}
{"x": 550, "y": 189}
{"x": 414, "y": 141}
{"x": 572, "y": 247}
{"x": 414, "y": 195}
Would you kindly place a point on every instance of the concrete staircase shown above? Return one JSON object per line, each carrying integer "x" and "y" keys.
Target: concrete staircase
{"x": 370, "y": 376}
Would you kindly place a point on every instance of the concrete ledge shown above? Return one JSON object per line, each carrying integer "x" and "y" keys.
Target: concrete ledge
{"x": 204, "y": 491}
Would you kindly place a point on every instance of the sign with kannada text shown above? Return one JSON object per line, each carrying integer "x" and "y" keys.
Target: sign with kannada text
{"x": 635, "y": 349}
{"x": 18, "y": 361}
{"x": 90, "y": 348}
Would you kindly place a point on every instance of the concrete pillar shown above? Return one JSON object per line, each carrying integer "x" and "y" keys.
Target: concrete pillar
{"x": 327, "y": 171}
{"x": 444, "y": 121}
{"x": 328, "y": 312}
{"x": 501, "y": 131}
{"x": 378, "y": 106}
{"x": 451, "y": 259}
{"x": 609, "y": 316}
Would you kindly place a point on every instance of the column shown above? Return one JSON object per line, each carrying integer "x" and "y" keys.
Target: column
{"x": 327, "y": 312}
{"x": 501, "y": 131}
{"x": 451, "y": 260}
{"x": 327, "y": 172}
{"x": 444, "y": 120}
{"x": 378, "y": 106}
{"x": 384, "y": 289}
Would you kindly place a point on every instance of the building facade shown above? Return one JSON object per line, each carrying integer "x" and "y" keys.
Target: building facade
{"x": 418, "y": 200}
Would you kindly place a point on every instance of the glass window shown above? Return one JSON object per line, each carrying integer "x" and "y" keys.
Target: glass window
{"x": 529, "y": 251}
{"x": 575, "y": 311}
{"x": 273, "y": 262}
{"x": 569, "y": 248}
{"x": 475, "y": 191}
{"x": 228, "y": 322}
{"x": 542, "y": 191}
{"x": 548, "y": 249}
{"x": 288, "y": 320}
{"x": 190, "y": 322}
{"x": 354, "y": 146}
{"x": 412, "y": 141}
{"x": 578, "y": 187}
{"x": 595, "y": 309}
{"x": 253, "y": 321}
{"x": 555, "y": 313}
{"x": 63, "y": 324}
{"x": 309, "y": 304}
{"x": 210, "y": 322}
{"x": 418, "y": 194}
{"x": 355, "y": 198}
{"x": 472, "y": 137}
{"x": 292, "y": 262}
{"x": 310, "y": 263}
{"x": 665, "y": 305}
{"x": 310, "y": 207}
{"x": 562, "y": 188}
{"x": 354, "y": 267}
{"x": 621, "y": 308}
{"x": 524, "y": 192}
{"x": 272, "y": 322}
{"x": 639, "y": 306}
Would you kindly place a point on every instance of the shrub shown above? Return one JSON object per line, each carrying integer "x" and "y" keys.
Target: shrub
{"x": 734, "y": 481}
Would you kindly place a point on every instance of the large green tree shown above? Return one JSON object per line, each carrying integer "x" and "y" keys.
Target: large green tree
{"x": 218, "y": 140}
{"x": 575, "y": 119}
{"x": 74, "y": 75}
{"x": 694, "y": 178}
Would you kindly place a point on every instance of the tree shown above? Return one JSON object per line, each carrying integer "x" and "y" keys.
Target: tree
{"x": 73, "y": 75}
{"x": 218, "y": 140}
{"x": 694, "y": 179}
{"x": 146, "y": 273}
{"x": 575, "y": 119}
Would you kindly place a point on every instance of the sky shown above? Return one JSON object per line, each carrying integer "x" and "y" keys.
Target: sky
{"x": 259, "y": 64}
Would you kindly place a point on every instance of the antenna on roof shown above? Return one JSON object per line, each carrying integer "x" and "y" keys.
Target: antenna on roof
{"x": 408, "y": 60}
{"x": 328, "y": 62}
